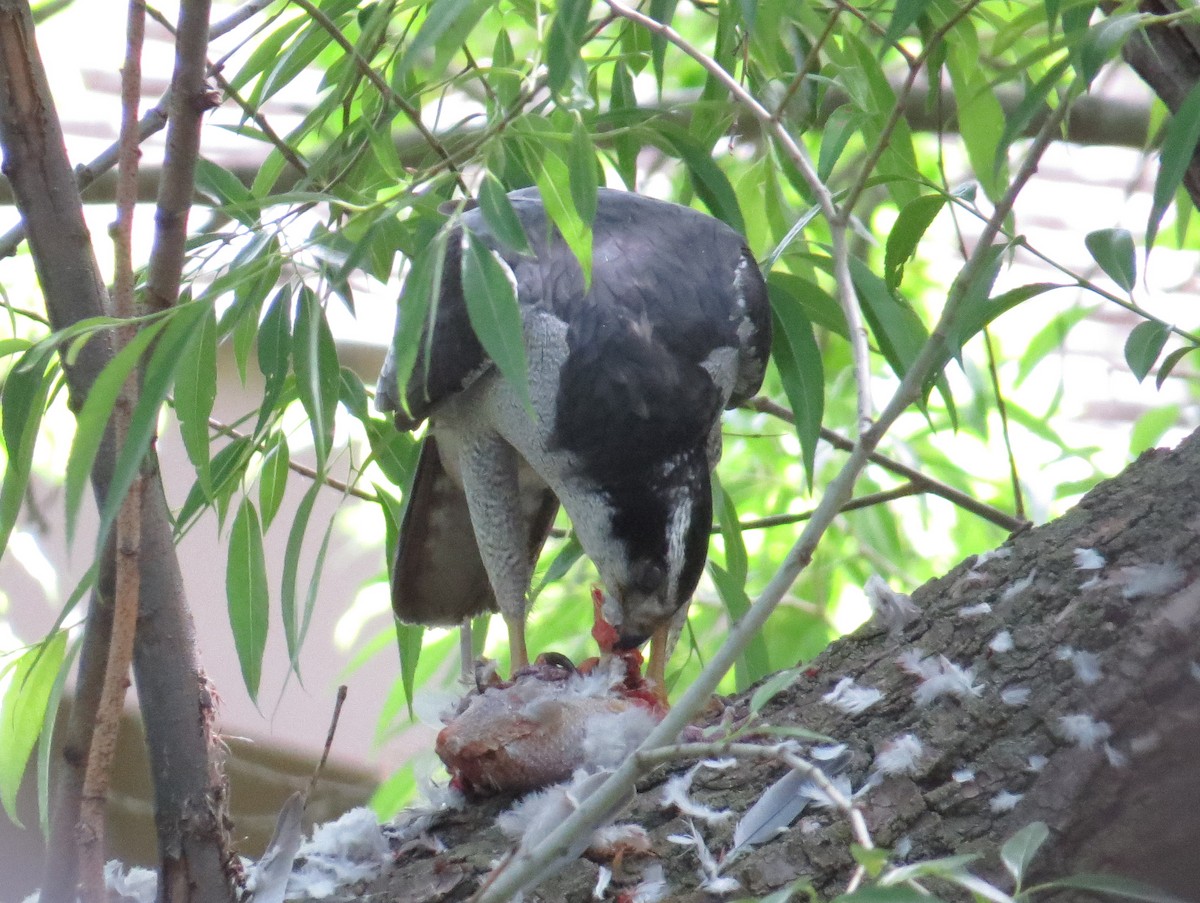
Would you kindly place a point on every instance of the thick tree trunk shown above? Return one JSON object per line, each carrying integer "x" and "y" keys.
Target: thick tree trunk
{"x": 1129, "y": 805}
{"x": 171, "y": 688}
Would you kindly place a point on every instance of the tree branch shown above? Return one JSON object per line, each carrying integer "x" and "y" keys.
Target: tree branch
{"x": 129, "y": 525}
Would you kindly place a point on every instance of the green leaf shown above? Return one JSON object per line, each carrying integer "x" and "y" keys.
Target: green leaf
{"x": 771, "y": 688}
{"x": 23, "y": 712}
{"x": 22, "y": 404}
{"x": 1033, "y": 101}
{"x": 228, "y": 465}
{"x": 896, "y": 326}
{"x": 569, "y": 553}
{"x": 1125, "y": 888}
{"x": 409, "y": 638}
{"x": 1149, "y": 429}
{"x": 1144, "y": 345}
{"x": 818, "y": 305}
{"x": 1179, "y": 146}
{"x": 92, "y": 419}
{"x": 272, "y": 481}
{"x": 554, "y": 184}
{"x": 1170, "y": 361}
{"x": 902, "y": 894}
{"x": 157, "y": 378}
{"x": 440, "y": 16}
{"x": 491, "y": 295}
{"x": 1020, "y": 849}
{"x": 798, "y": 359}
{"x": 498, "y": 213}
{"x": 1113, "y": 250}
{"x": 230, "y": 193}
{"x": 874, "y": 860}
{"x": 843, "y": 124}
{"x": 905, "y": 14}
{"x": 318, "y": 374}
{"x": 195, "y": 392}
{"x": 661, "y": 11}
{"x": 566, "y": 36}
{"x": 708, "y": 179}
{"x": 906, "y": 233}
{"x": 1049, "y": 338}
{"x": 1104, "y": 41}
{"x": 581, "y": 163}
{"x": 417, "y": 299}
{"x": 292, "y": 631}
{"x": 246, "y": 591}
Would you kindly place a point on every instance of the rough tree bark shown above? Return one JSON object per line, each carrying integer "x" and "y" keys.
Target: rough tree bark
{"x": 1132, "y": 808}
{"x": 190, "y": 805}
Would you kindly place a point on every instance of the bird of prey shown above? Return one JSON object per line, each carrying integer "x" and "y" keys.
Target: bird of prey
{"x": 627, "y": 377}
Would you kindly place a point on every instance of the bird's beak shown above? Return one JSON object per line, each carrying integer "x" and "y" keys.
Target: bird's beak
{"x": 627, "y": 641}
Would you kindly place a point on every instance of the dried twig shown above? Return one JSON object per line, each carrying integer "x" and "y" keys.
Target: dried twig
{"x": 127, "y": 549}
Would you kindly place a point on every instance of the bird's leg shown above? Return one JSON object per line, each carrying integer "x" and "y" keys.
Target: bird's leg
{"x": 489, "y": 473}
{"x": 466, "y": 653}
{"x": 656, "y": 668}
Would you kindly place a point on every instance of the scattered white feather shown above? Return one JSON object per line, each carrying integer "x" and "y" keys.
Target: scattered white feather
{"x": 1144, "y": 743}
{"x": 1092, "y": 582}
{"x": 1002, "y": 642}
{"x": 135, "y": 885}
{"x": 1015, "y": 696}
{"x": 719, "y": 764}
{"x": 653, "y": 886}
{"x": 851, "y": 698}
{"x": 675, "y": 793}
{"x": 1116, "y": 758}
{"x": 710, "y": 869}
{"x": 1036, "y": 763}
{"x": 1083, "y": 730}
{"x": 901, "y": 848}
{"x": 1004, "y": 801}
{"x": 913, "y": 661}
{"x": 772, "y": 812}
{"x": 975, "y": 611}
{"x": 602, "y": 881}
{"x": 625, "y": 838}
{"x": 964, "y": 775}
{"x": 1150, "y": 579}
{"x": 1088, "y": 560}
{"x": 440, "y": 796}
{"x": 1017, "y": 587}
{"x": 267, "y": 879}
{"x": 1085, "y": 664}
{"x": 841, "y": 783}
{"x": 984, "y": 557}
{"x": 949, "y": 680}
{"x": 1194, "y": 670}
{"x": 341, "y": 852}
{"x": 900, "y": 755}
{"x": 892, "y": 609}
{"x": 827, "y": 751}
{"x": 609, "y": 738}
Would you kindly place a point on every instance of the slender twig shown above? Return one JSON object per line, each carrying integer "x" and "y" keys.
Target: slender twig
{"x": 214, "y": 71}
{"x": 102, "y": 751}
{"x": 1005, "y": 430}
{"x": 927, "y": 483}
{"x": 863, "y": 501}
{"x": 333, "y": 723}
{"x": 413, "y": 114}
{"x": 304, "y": 470}
{"x": 847, "y": 296}
{"x": 915, "y": 65}
{"x": 237, "y": 17}
{"x": 527, "y": 868}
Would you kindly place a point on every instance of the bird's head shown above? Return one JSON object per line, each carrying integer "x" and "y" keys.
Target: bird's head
{"x": 659, "y": 542}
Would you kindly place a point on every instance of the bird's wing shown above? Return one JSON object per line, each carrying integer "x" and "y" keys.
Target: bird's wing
{"x": 438, "y": 576}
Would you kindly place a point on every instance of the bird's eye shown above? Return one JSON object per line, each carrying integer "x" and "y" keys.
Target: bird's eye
{"x": 647, "y": 576}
